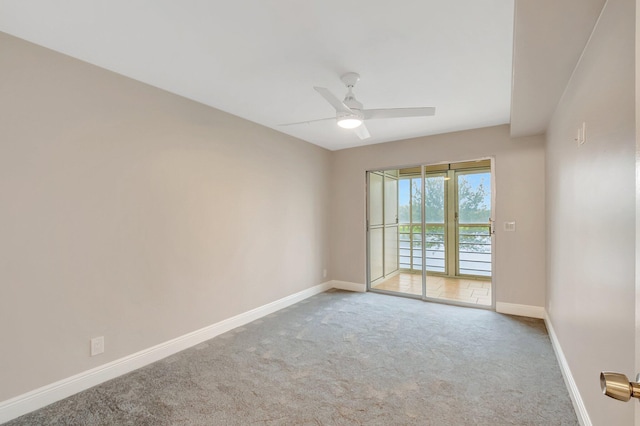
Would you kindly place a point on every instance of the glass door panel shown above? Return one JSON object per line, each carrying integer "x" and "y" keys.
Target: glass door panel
{"x": 376, "y": 230}
{"x": 473, "y": 228}
{"x": 404, "y": 224}
{"x": 386, "y": 245}
{"x": 410, "y": 223}
{"x": 390, "y": 201}
{"x": 435, "y": 231}
{"x": 409, "y": 228}
{"x": 390, "y": 250}
{"x": 390, "y": 222}
{"x": 401, "y": 238}
{"x": 376, "y": 257}
{"x": 376, "y": 199}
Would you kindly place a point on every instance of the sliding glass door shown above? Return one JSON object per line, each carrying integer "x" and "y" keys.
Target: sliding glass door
{"x": 429, "y": 232}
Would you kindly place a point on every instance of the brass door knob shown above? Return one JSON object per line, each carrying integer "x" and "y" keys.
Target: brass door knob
{"x": 618, "y": 386}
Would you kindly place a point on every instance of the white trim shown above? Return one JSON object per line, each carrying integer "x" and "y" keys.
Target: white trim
{"x": 38, "y": 398}
{"x": 521, "y": 310}
{"x": 574, "y": 393}
{"x": 345, "y": 285}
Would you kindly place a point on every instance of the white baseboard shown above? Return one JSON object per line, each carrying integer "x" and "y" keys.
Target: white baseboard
{"x": 520, "y": 310}
{"x": 574, "y": 393}
{"x": 345, "y": 285}
{"x": 38, "y": 398}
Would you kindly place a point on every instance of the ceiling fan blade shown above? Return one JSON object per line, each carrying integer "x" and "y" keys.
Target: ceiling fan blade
{"x": 362, "y": 131}
{"x": 335, "y": 102}
{"x": 308, "y": 121}
{"x": 398, "y": 112}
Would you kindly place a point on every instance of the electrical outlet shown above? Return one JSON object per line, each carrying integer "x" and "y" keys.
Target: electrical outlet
{"x": 97, "y": 345}
{"x": 324, "y": 273}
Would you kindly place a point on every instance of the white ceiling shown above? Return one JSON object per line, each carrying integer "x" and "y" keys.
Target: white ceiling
{"x": 259, "y": 59}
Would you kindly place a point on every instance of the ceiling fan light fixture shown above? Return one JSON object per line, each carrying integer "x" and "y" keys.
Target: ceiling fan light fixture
{"x": 349, "y": 122}
{"x": 351, "y": 115}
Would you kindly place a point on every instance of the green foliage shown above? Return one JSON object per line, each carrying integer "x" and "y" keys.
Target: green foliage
{"x": 473, "y": 209}
{"x": 472, "y": 202}
{"x": 434, "y": 188}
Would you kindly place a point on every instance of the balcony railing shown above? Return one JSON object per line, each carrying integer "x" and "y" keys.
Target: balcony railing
{"x": 474, "y": 248}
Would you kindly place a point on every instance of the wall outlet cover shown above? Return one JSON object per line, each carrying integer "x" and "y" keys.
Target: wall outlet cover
{"x": 97, "y": 345}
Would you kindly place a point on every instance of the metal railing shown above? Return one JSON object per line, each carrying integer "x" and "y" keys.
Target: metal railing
{"x": 474, "y": 248}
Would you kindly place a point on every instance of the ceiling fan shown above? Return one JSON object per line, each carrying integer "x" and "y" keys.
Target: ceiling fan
{"x": 349, "y": 112}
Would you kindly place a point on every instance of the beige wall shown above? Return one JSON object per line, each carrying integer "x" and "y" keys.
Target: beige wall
{"x": 138, "y": 215}
{"x": 135, "y": 214}
{"x": 591, "y": 214}
{"x": 519, "y": 177}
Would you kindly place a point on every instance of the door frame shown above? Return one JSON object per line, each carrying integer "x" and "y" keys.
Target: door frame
{"x": 494, "y": 278}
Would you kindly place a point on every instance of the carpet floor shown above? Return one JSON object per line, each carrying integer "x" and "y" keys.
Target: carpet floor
{"x": 342, "y": 358}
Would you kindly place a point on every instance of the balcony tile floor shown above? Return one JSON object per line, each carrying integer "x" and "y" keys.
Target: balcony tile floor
{"x": 476, "y": 292}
